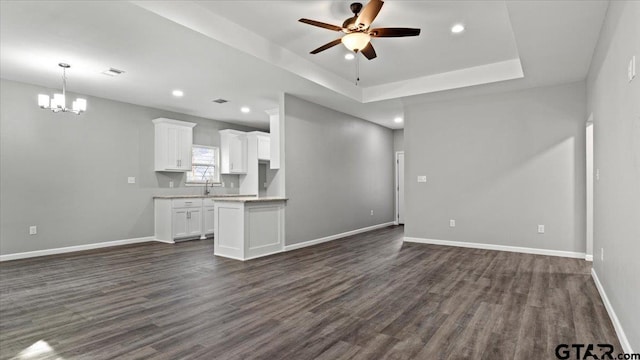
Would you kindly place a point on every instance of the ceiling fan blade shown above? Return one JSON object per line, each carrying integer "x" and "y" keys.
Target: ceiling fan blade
{"x": 394, "y": 32}
{"x": 321, "y": 24}
{"x": 369, "y": 52}
{"x": 326, "y": 46}
{"x": 369, "y": 13}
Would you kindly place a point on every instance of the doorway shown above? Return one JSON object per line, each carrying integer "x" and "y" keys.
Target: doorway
{"x": 400, "y": 187}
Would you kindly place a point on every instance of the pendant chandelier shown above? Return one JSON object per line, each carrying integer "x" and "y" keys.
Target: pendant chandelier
{"x": 59, "y": 102}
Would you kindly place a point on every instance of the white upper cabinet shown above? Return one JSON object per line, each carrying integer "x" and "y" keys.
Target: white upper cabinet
{"x": 233, "y": 152}
{"x": 264, "y": 146}
{"x": 173, "y": 141}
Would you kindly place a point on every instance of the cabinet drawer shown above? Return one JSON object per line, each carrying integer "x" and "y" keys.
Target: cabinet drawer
{"x": 187, "y": 203}
{"x": 207, "y": 202}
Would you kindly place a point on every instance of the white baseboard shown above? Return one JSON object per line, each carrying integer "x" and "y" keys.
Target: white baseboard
{"x": 163, "y": 241}
{"x": 251, "y": 257}
{"x": 622, "y": 337}
{"x": 588, "y": 257}
{"x": 335, "y": 237}
{"x": 526, "y": 250}
{"x": 68, "y": 249}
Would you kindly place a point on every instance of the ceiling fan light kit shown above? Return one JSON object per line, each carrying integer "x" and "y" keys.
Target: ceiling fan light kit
{"x": 358, "y": 32}
{"x": 356, "y": 41}
{"x": 59, "y": 102}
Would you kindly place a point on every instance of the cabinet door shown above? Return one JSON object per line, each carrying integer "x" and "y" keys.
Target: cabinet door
{"x": 194, "y": 220}
{"x": 180, "y": 223}
{"x": 264, "y": 148}
{"x": 209, "y": 218}
{"x": 173, "y": 148}
{"x": 185, "y": 139}
{"x": 237, "y": 154}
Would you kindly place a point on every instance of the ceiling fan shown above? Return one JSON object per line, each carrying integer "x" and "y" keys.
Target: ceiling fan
{"x": 357, "y": 30}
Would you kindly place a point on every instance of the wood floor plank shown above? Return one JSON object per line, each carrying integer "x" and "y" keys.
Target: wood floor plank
{"x": 368, "y": 296}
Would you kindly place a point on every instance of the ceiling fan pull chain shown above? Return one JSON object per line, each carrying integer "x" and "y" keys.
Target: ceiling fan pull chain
{"x": 357, "y": 69}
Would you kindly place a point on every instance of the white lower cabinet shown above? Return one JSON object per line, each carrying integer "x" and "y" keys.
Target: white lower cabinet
{"x": 187, "y": 222}
{"x": 179, "y": 219}
{"x": 180, "y": 226}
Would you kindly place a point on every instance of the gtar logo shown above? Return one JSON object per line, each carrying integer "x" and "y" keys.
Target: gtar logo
{"x": 584, "y": 351}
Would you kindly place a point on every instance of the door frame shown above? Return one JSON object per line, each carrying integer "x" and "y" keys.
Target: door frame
{"x": 589, "y": 185}
{"x": 396, "y": 219}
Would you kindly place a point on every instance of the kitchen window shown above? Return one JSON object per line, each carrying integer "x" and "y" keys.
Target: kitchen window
{"x": 205, "y": 167}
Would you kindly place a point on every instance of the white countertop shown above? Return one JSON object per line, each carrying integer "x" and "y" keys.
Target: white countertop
{"x": 252, "y": 199}
{"x": 214, "y": 196}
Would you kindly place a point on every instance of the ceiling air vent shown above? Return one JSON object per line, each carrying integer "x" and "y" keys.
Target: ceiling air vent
{"x": 113, "y": 72}
{"x": 220, "y": 101}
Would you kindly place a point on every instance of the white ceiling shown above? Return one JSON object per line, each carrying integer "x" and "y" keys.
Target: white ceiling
{"x": 435, "y": 51}
{"x": 231, "y": 49}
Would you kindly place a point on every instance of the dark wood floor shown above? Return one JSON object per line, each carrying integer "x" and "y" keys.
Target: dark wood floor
{"x": 365, "y": 297}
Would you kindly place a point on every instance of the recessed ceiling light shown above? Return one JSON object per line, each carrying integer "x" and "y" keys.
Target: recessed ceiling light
{"x": 245, "y": 109}
{"x": 457, "y": 28}
{"x": 397, "y": 120}
{"x": 349, "y": 56}
{"x": 177, "y": 93}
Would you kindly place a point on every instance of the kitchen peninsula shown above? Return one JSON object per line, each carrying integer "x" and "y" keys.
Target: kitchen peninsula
{"x": 248, "y": 227}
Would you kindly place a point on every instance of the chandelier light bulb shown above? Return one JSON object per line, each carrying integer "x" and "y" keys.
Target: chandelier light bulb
{"x": 43, "y": 101}
{"x": 59, "y": 101}
{"x": 82, "y": 104}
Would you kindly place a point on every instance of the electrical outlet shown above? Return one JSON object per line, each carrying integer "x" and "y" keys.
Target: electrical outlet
{"x": 597, "y": 174}
{"x": 131, "y": 180}
{"x": 171, "y": 184}
{"x": 602, "y": 254}
{"x": 540, "y": 229}
{"x": 452, "y": 223}
{"x": 232, "y": 184}
{"x": 33, "y": 230}
{"x": 371, "y": 212}
{"x": 422, "y": 179}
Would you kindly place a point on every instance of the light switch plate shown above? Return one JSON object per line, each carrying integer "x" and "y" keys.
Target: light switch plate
{"x": 33, "y": 230}
{"x": 131, "y": 180}
{"x": 540, "y": 229}
{"x": 422, "y": 178}
{"x": 171, "y": 184}
{"x": 452, "y": 223}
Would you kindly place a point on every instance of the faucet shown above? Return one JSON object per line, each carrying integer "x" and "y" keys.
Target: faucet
{"x": 206, "y": 187}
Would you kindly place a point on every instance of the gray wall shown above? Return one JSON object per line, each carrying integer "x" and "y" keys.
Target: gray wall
{"x": 499, "y": 165}
{"x": 615, "y": 104}
{"x": 67, "y": 174}
{"x": 339, "y": 168}
{"x": 398, "y": 140}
